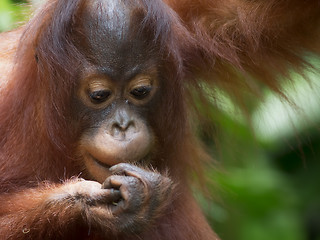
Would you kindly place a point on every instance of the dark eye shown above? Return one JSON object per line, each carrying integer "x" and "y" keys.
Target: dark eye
{"x": 99, "y": 96}
{"x": 141, "y": 92}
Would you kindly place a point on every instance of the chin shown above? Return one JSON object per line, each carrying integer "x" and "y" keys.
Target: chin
{"x": 97, "y": 169}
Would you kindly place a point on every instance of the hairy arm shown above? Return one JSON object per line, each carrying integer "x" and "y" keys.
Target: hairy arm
{"x": 48, "y": 211}
{"x": 128, "y": 202}
{"x": 239, "y": 39}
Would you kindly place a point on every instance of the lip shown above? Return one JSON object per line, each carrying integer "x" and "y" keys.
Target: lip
{"x": 143, "y": 161}
{"x": 104, "y": 165}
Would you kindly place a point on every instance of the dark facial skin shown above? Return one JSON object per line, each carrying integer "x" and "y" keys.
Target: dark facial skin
{"x": 118, "y": 86}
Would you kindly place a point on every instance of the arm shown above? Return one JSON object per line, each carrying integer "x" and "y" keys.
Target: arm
{"x": 127, "y": 202}
{"x": 48, "y": 211}
{"x": 236, "y": 40}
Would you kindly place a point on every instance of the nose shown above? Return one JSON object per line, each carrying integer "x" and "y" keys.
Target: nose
{"x": 122, "y": 124}
{"x": 122, "y": 121}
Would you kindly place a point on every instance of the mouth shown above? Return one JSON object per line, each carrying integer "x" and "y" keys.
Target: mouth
{"x": 141, "y": 161}
{"x": 102, "y": 164}
{"x": 99, "y": 171}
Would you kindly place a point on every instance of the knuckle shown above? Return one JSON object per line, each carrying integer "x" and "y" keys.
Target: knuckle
{"x": 121, "y": 166}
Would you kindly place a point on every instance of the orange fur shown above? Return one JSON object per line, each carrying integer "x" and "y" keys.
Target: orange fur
{"x": 223, "y": 43}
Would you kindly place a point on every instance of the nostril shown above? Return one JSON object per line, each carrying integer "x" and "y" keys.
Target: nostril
{"x": 123, "y": 125}
{"x": 122, "y": 122}
{"x": 122, "y": 131}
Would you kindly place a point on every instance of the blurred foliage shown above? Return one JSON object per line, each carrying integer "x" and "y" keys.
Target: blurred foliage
{"x": 12, "y": 14}
{"x": 268, "y": 183}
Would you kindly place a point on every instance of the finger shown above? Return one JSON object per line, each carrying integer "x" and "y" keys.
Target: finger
{"x": 112, "y": 195}
{"x": 114, "y": 181}
{"x": 131, "y": 185}
{"x": 128, "y": 170}
{"x": 123, "y": 168}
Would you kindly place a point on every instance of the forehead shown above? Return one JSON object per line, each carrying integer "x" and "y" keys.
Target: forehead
{"x": 113, "y": 35}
